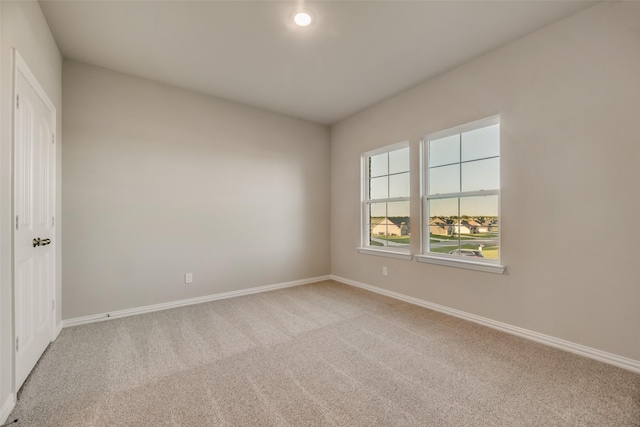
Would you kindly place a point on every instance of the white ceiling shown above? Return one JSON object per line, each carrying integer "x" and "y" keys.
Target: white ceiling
{"x": 354, "y": 55}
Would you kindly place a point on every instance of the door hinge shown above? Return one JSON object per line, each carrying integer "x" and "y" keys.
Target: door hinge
{"x": 53, "y": 138}
{"x": 17, "y": 221}
{"x": 53, "y": 305}
{"x": 53, "y": 221}
{"x": 18, "y": 101}
{"x": 17, "y": 343}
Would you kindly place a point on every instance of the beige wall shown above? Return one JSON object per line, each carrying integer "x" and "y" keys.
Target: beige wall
{"x": 159, "y": 182}
{"x": 23, "y": 27}
{"x": 569, "y": 101}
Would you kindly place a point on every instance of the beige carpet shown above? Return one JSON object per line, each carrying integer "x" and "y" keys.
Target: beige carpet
{"x": 320, "y": 354}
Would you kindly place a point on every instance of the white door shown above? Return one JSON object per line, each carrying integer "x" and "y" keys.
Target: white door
{"x": 34, "y": 198}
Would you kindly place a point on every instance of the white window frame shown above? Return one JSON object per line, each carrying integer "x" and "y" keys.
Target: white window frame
{"x": 487, "y": 265}
{"x": 364, "y": 247}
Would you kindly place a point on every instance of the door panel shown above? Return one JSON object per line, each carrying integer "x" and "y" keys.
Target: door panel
{"x": 22, "y": 171}
{"x": 34, "y": 205}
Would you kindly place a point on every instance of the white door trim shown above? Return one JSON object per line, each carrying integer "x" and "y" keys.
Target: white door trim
{"x": 21, "y": 67}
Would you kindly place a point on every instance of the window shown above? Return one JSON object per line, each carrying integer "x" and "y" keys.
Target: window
{"x": 385, "y": 202}
{"x": 461, "y": 200}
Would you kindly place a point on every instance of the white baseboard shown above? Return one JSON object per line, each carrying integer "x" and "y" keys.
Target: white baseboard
{"x": 7, "y": 407}
{"x": 181, "y": 303}
{"x": 592, "y": 353}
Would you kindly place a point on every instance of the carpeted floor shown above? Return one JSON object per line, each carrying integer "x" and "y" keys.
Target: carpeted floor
{"x": 320, "y": 354}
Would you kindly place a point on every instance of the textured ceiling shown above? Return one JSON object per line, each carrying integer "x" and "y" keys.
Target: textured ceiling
{"x": 354, "y": 55}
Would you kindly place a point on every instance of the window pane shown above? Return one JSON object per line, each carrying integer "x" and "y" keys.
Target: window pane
{"x": 481, "y": 143}
{"x": 447, "y": 208}
{"x": 481, "y": 175}
{"x": 398, "y": 209}
{"x": 379, "y": 165}
{"x": 444, "y": 179}
{"x": 375, "y": 240}
{"x": 443, "y": 215}
{"x": 479, "y": 225}
{"x": 444, "y": 151}
{"x": 379, "y": 232}
{"x": 399, "y": 185}
{"x": 398, "y": 225}
{"x": 377, "y": 228}
{"x": 443, "y": 224}
{"x": 379, "y": 188}
{"x": 377, "y": 210}
{"x": 399, "y": 161}
{"x": 443, "y": 246}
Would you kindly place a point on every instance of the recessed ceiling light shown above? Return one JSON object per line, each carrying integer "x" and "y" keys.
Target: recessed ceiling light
{"x": 302, "y": 19}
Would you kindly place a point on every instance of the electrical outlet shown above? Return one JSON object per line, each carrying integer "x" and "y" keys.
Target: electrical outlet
{"x": 188, "y": 278}
{"x": 384, "y": 271}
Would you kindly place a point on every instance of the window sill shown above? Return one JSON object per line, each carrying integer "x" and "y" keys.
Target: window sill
{"x": 460, "y": 263}
{"x": 390, "y": 254}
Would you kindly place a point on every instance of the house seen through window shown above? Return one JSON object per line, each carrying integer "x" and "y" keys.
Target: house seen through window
{"x": 463, "y": 192}
{"x": 386, "y": 199}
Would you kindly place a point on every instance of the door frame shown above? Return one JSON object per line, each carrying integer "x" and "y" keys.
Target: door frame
{"x": 21, "y": 67}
